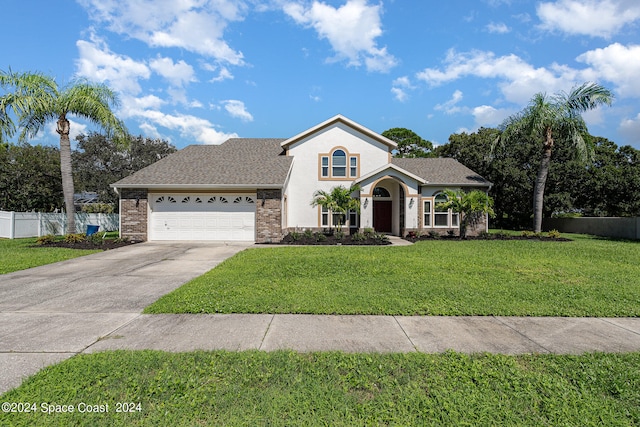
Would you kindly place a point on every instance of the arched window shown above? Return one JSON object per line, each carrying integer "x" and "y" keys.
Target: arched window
{"x": 339, "y": 163}
{"x": 381, "y": 192}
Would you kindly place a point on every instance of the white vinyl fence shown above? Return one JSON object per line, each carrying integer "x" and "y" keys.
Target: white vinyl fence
{"x": 14, "y": 225}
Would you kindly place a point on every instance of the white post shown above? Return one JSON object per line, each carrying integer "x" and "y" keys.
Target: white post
{"x": 12, "y": 225}
{"x": 39, "y": 224}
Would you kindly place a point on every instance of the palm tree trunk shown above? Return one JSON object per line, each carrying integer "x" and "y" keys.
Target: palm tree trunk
{"x": 541, "y": 180}
{"x": 67, "y": 175}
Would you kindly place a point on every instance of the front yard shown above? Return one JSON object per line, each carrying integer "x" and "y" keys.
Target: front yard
{"x": 20, "y": 254}
{"x": 584, "y": 277}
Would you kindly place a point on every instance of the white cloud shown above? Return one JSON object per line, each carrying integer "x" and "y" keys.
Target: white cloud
{"x": 97, "y": 63}
{"x": 237, "y": 109}
{"x": 498, "y": 28}
{"x": 400, "y": 88}
{"x": 630, "y": 130}
{"x": 351, "y": 29}
{"x": 178, "y": 73}
{"x": 519, "y": 80}
{"x": 223, "y": 74}
{"x": 602, "y": 18}
{"x": 194, "y": 25}
{"x": 189, "y": 127}
{"x": 618, "y": 64}
{"x": 450, "y": 107}
{"x": 488, "y": 116}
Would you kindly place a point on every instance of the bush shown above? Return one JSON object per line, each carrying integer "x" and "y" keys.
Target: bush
{"x": 74, "y": 238}
{"x": 554, "y": 234}
{"x": 381, "y": 238}
{"x": 368, "y": 232}
{"x": 308, "y": 233}
{"x": 295, "y": 236}
{"x": 358, "y": 237}
{"x": 320, "y": 237}
{"x": 339, "y": 235}
{"x": 97, "y": 238}
{"x": 47, "y": 239}
{"x": 434, "y": 234}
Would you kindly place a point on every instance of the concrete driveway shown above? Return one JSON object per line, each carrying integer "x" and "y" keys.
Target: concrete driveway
{"x": 52, "y": 312}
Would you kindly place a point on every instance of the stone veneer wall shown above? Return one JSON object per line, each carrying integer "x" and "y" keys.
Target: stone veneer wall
{"x": 269, "y": 216}
{"x": 133, "y": 214}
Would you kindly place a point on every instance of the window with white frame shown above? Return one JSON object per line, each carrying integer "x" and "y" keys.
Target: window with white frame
{"x": 427, "y": 213}
{"x": 339, "y": 164}
{"x": 444, "y": 218}
{"x": 329, "y": 219}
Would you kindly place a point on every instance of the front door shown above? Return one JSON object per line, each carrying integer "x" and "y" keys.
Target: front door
{"x": 382, "y": 216}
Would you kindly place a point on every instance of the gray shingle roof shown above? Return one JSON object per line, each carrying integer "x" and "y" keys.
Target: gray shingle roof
{"x": 238, "y": 161}
{"x": 441, "y": 171}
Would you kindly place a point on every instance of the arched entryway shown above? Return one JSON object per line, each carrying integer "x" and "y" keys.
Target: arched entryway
{"x": 388, "y": 207}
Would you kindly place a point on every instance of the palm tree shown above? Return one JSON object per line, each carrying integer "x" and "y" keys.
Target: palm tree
{"x": 36, "y": 99}
{"x": 549, "y": 118}
{"x": 337, "y": 201}
{"x": 471, "y": 206}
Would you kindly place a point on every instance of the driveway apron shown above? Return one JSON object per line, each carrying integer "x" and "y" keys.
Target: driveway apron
{"x": 52, "y": 312}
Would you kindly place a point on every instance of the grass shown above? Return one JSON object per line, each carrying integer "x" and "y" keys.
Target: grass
{"x": 319, "y": 389}
{"x": 20, "y": 254}
{"x": 585, "y": 277}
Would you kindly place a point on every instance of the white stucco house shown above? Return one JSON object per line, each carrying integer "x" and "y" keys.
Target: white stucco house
{"x": 259, "y": 189}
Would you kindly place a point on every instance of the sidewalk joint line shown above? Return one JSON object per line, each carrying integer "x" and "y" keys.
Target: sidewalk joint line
{"x": 499, "y": 319}
{"x": 273, "y": 316}
{"x": 415, "y": 348}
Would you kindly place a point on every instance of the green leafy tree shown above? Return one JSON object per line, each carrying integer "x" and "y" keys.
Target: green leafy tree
{"x": 30, "y": 178}
{"x": 99, "y": 161}
{"x": 409, "y": 143}
{"x": 35, "y": 99}
{"x": 508, "y": 167}
{"x": 472, "y": 207}
{"x": 549, "y": 118}
{"x": 338, "y": 201}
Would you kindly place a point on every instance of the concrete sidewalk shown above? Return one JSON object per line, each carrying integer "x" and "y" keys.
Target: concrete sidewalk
{"x": 94, "y": 303}
{"x": 305, "y": 333}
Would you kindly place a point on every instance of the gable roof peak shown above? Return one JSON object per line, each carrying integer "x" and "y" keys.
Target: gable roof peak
{"x": 339, "y": 118}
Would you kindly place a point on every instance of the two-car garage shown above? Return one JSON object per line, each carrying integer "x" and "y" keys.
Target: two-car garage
{"x": 202, "y": 216}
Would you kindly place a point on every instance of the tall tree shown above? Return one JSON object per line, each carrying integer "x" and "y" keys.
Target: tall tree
{"x": 30, "y": 178}
{"x": 99, "y": 161}
{"x": 549, "y": 118}
{"x": 35, "y": 99}
{"x": 410, "y": 144}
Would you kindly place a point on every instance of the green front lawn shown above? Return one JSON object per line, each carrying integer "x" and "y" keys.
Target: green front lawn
{"x": 585, "y": 277}
{"x": 20, "y": 254}
{"x": 320, "y": 389}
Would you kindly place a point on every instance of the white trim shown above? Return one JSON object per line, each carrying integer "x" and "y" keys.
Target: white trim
{"x": 336, "y": 119}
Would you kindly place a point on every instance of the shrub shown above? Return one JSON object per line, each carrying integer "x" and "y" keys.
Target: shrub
{"x": 308, "y": 233}
{"x": 74, "y": 238}
{"x": 434, "y": 234}
{"x": 412, "y": 235}
{"x": 528, "y": 234}
{"x": 554, "y": 234}
{"x": 320, "y": 237}
{"x": 295, "y": 236}
{"x": 339, "y": 235}
{"x": 381, "y": 238}
{"x": 47, "y": 239}
{"x": 358, "y": 237}
{"x": 97, "y": 238}
{"x": 368, "y": 232}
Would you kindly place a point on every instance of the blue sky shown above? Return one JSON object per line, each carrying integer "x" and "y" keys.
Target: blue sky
{"x": 201, "y": 71}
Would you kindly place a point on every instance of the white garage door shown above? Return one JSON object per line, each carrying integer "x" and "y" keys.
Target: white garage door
{"x": 202, "y": 217}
